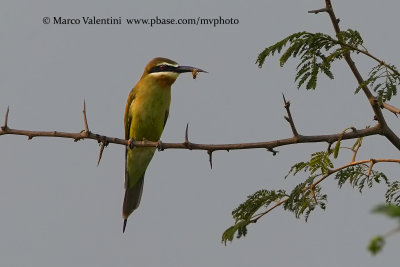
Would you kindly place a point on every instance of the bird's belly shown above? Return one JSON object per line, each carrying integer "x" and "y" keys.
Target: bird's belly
{"x": 148, "y": 123}
{"x": 138, "y": 159}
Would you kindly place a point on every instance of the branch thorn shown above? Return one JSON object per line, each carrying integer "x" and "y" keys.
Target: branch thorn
{"x": 274, "y": 152}
{"x": 4, "y": 127}
{"x": 209, "y": 152}
{"x": 286, "y": 118}
{"x": 186, "y": 133}
{"x": 187, "y": 143}
{"x": 103, "y": 145}
{"x": 84, "y": 117}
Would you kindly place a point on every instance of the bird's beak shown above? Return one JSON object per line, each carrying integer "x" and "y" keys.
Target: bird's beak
{"x": 182, "y": 69}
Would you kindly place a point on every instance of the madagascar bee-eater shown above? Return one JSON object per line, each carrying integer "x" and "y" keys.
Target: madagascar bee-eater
{"x": 146, "y": 113}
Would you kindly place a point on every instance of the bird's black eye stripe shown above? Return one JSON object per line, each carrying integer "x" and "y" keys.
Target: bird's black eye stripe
{"x": 162, "y": 68}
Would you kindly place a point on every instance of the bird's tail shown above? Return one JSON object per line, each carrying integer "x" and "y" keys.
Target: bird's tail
{"x": 132, "y": 200}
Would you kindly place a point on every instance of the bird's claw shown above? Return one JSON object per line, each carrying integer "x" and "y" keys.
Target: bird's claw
{"x": 160, "y": 146}
{"x": 131, "y": 143}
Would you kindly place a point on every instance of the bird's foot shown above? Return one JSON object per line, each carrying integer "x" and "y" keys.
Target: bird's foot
{"x": 160, "y": 146}
{"x": 131, "y": 143}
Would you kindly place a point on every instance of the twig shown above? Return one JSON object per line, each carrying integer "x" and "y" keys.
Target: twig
{"x": 391, "y": 232}
{"x": 289, "y": 118}
{"x": 371, "y": 165}
{"x": 355, "y": 150}
{"x": 312, "y": 189}
{"x": 316, "y": 11}
{"x": 258, "y": 216}
{"x": 391, "y": 108}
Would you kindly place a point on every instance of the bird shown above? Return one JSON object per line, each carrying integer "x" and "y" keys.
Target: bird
{"x": 146, "y": 113}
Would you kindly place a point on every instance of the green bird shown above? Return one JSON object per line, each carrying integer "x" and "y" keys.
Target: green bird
{"x": 146, "y": 113}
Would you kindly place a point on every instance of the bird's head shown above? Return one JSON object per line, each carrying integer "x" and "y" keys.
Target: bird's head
{"x": 165, "y": 71}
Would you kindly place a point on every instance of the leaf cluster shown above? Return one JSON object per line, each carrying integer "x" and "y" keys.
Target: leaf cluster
{"x": 244, "y": 214}
{"x": 317, "y": 52}
{"x": 393, "y": 193}
{"x": 307, "y": 196}
{"x": 359, "y": 176}
{"x": 319, "y": 163}
{"x": 303, "y": 199}
{"x": 383, "y": 79}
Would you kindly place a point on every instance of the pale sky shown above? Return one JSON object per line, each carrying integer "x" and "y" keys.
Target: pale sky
{"x": 59, "y": 209}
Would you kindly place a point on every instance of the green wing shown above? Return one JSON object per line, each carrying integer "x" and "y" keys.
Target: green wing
{"x": 127, "y": 116}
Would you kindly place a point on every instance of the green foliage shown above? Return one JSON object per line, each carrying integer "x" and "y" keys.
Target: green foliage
{"x": 245, "y": 213}
{"x": 376, "y": 244}
{"x": 392, "y": 211}
{"x": 339, "y": 141}
{"x": 239, "y": 227}
{"x": 317, "y": 52}
{"x": 337, "y": 148}
{"x": 359, "y": 176}
{"x": 304, "y": 200}
{"x": 319, "y": 161}
{"x": 296, "y": 168}
{"x": 384, "y": 80}
{"x": 393, "y": 193}
{"x": 350, "y": 38}
{"x": 311, "y": 48}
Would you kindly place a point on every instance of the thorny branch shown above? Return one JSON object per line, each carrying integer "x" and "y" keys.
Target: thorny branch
{"x": 380, "y": 128}
{"x": 210, "y": 148}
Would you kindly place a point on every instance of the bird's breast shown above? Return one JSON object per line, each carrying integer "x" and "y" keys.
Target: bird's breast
{"x": 149, "y": 110}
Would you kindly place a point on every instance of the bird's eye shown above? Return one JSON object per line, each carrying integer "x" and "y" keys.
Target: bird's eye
{"x": 163, "y": 67}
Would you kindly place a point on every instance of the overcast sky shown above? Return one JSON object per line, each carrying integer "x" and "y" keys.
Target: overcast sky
{"x": 59, "y": 209}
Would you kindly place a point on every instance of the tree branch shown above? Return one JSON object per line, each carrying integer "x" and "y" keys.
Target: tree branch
{"x": 269, "y": 145}
{"x": 316, "y": 11}
{"x": 391, "y": 108}
{"x": 289, "y": 117}
{"x": 386, "y": 131}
